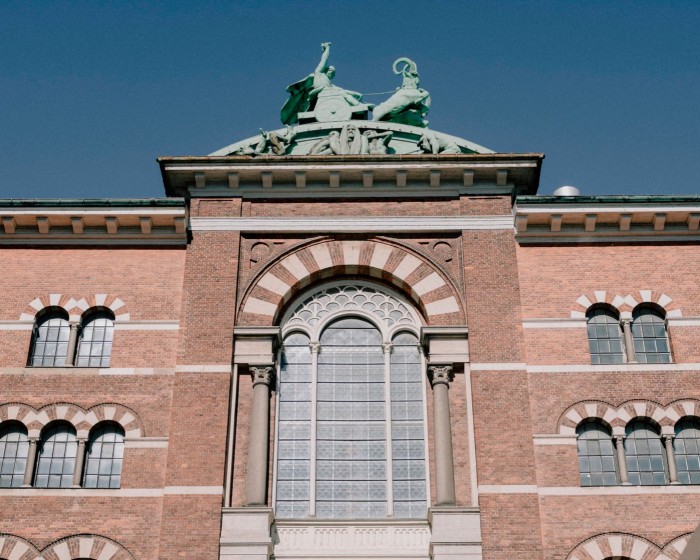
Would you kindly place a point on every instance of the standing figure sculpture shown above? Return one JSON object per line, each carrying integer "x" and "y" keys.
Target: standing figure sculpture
{"x": 316, "y": 98}
{"x": 410, "y": 103}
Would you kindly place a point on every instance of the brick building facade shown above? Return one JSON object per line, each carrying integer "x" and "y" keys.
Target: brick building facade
{"x": 356, "y": 356}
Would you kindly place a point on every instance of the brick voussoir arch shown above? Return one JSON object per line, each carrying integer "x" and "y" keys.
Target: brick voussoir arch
{"x": 413, "y": 274}
{"x": 81, "y": 419}
{"x": 108, "y": 301}
{"x": 63, "y": 301}
{"x": 673, "y": 549}
{"x": 12, "y": 546}
{"x": 624, "y": 303}
{"x": 94, "y": 547}
{"x": 614, "y": 546}
{"x": 618, "y": 417}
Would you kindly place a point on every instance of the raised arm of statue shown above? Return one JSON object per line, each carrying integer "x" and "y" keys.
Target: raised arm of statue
{"x": 323, "y": 64}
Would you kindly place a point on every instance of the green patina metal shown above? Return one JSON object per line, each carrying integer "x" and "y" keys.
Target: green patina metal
{"x": 607, "y": 199}
{"x": 174, "y": 202}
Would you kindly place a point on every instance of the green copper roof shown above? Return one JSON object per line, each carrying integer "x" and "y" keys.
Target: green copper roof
{"x": 91, "y": 202}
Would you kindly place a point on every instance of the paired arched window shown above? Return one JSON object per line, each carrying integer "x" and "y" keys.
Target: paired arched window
{"x": 58, "y": 457}
{"x": 596, "y": 455}
{"x": 351, "y": 427}
{"x": 53, "y": 346}
{"x": 686, "y": 447}
{"x": 644, "y": 341}
{"x": 646, "y": 464}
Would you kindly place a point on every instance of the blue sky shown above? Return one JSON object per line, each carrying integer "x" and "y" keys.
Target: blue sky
{"x": 92, "y": 92}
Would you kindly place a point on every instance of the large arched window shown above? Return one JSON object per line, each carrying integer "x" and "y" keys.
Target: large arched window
{"x": 95, "y": 346}
{"x": 105, "y": 453}
{"x": 650, "y": 337}
{"x": 351, "y": 424}
{"x": 645, "y": 454}
{"x": 14, "y": 447}
{"x": 49, "y": 345}
{"x": 57, "y": 453}
{"x": 596, "y": 455}
{"x": 686, "y": 447}
{"x": 604, "y": 336}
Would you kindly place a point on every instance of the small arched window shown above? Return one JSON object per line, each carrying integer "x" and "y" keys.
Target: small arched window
{"x": 686, "y": 447}
{"x": 105, "y": 453}
{"x": 57, "y": 453}
{"x": 49, "y": 345}
{"x": 95, "y": 345}
{"x": 596, "y": 455}
{"x": 14, "y": 447}
{"x": 645, "y": 454}
{"x": 604, "y": 336}
{"x": 650, "y": 337}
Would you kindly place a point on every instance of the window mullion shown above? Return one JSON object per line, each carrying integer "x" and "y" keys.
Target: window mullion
{"x": 386, "y": 347}
{"x": 315, "y": 349}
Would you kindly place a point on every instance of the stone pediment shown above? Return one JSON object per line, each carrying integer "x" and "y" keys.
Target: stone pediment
{"x": 351, "y": 137}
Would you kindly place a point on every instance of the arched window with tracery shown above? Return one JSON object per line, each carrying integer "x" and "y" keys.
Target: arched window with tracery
{"x": 95, "y": 344}
{"x": 650, "y": 336}
{"x": 604, "y": 335}
{"x": 50, "y": 338}
{"x": 351, "y": 424}
{"x": 14, "y": 448}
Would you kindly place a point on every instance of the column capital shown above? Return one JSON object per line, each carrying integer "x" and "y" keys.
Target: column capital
{"x": 440, "y": 374}
{"x": 386, "y": 347}
{"x": 315, "y": 347}
{"x": 619, "y": 438}
{"x": 262, "y": 374}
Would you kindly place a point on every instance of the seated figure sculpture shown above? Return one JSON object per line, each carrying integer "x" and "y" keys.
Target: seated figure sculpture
{"x": 410, "y": 103}
{"x": 316, "y": 98}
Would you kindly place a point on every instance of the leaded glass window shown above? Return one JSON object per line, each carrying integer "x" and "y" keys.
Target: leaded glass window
{"x": 650, "y": 337}
{"x": 95, "y": 346}
{"x": 57, "y": 454}
{"x": 105, "y": 453}
{"x": 14, "y": 448}
{"x": 351, "y": 426}
{"x": 645, "y": 454}
{"x": 596, "y": 455}
{"x": 604, "y": 336}
{"x": 49, "y": 345}
{"x": 686, "y": 447}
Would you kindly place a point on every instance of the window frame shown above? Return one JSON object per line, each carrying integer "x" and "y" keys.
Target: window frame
{"x": 44, "y": 316}
{"x": 615, "y": 314}
{"x": 94, "y": 314}
{"x": 387, "y": 334}
{"x": 660, "y": 312}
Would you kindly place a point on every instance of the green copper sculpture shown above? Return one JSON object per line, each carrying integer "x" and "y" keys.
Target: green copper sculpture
{"x": 410, "y": 103}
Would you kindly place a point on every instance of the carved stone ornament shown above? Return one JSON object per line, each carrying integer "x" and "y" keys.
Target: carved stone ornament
{"x": 440, "y": 374}
{"x": 262, "y": 374}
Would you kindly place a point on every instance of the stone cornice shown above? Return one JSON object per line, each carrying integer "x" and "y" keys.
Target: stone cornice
{"x": 607, "y": 219}
{"x": 93, "y": 222}
{"x": 364, "y": 176}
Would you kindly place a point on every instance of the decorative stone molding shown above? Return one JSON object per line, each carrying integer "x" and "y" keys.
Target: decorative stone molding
{"x": 445, "y": 345}
{"x": 427, "y": 286}
{"x": 625, "y": 545}
{"x": 91, "y": 547}
{"x": 255, "y": 345}
{"x": 76, "y": 308}
{"x": 625, "y": 304}
{"x": 618, "y": 417}
{"x": 262, "y": 374}
{"x": 81, "y": 419}
{"x": 12, "y": 546}
{"x": 440, "y": 374}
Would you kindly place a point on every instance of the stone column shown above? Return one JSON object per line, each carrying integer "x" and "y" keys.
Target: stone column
{"x": 315, "y": 348}
{"x": 386, "y": 349}
{"x": 621, "y": 458}
{"x": 670, "y": 458}
{"x": 440, "y": 377}
{"x": 79, "y": 463}
{"x": 72, "y": 343}
{"x": 31, "y": 463}
{"x": 256, "y": 484}
{"x": 629, "y": 341}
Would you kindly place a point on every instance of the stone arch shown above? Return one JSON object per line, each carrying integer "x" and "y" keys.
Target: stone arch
{"x": 586, "y": 410}
{"x": 615, "y": 546}
{"x": 18, "y": 548}
{"x": 680, "y": 409}
{"x": 624, "y": 304}
{"x": 125, "y": 417}
{"x": 651, "y": 410}
{"x": 675, "y": 547}
{"x": 22, "y": 413}
{"x": 94, "y": 547}
{"x": 108, "y": 301}
{"x": 431, "y": 291}
{"x": 63, "y": 301}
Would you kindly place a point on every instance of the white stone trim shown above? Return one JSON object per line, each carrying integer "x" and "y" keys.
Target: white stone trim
{"x": 353, "y": 224}
{"x": 625, "y": 368}
{"x": 498, "y": 366}
{"x": 684, "y": 322}
{"x": 554, "y": 439}
{"x": 508, "y": 489}
{"x": 82, "y": 492}
{"x": 146, "y": 442}
{"x": 85, "y": 371}
{"x": 104, "y": 210}
{"x": 208, "y": 368}
{"x": 557, "y": 323}
{"x": 617, "y": 490}
{"x": 21, "y": 325}
{"x": 194, "y": 490}
{"x": 158, "y": 325}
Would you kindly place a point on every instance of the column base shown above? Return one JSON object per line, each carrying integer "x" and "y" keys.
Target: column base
{"x": 245, "y": 533}
{"x": 456, "y": 533}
